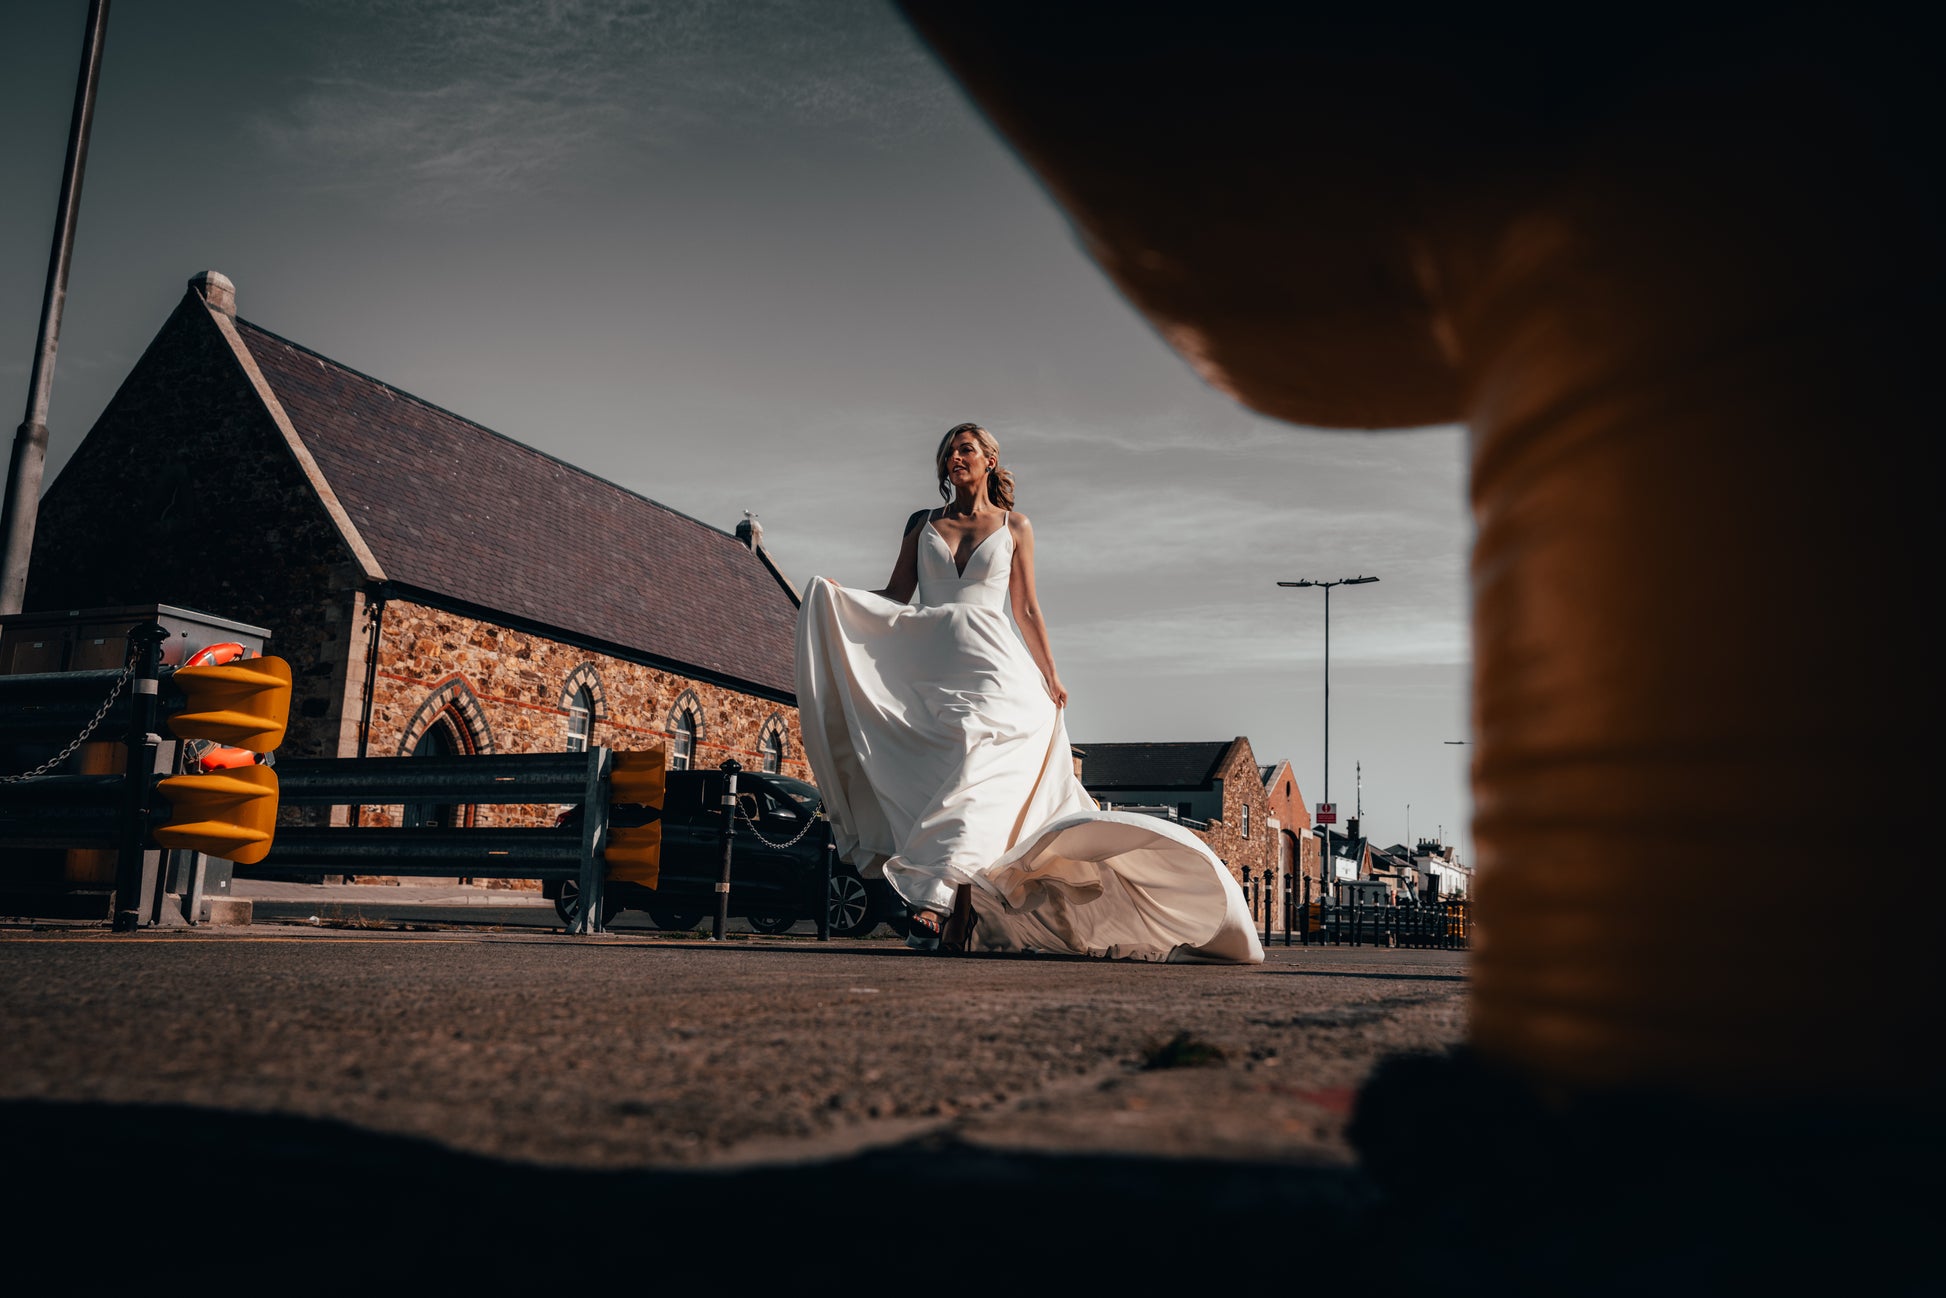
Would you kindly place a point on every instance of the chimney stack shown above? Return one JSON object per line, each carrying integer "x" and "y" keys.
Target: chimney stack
{"x": 215, "y": 288}
{"x": 749, "y": 531}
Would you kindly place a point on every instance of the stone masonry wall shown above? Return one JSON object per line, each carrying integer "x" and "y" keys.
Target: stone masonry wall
{"x": 506, "y": 691}
{"x": 184, "y": 493}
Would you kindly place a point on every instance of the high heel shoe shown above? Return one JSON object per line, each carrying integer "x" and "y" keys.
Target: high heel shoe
{"x": 919, "y": 935}
{"x": 956, "y": 934}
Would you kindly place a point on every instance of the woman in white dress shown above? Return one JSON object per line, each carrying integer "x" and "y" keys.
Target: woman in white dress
{"x": 937, "y": 736}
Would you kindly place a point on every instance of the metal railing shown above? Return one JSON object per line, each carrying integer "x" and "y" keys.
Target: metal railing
{"x": 1443, "y": 925}
{"x": 570, "y": 852}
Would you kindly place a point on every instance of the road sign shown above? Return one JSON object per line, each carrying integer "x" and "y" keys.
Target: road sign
{"x": 1327, "y": 813}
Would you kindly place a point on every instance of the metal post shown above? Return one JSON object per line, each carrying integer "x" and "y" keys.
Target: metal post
{"x": 1290, "y": 901}
{"x": 824, "y": 904}
{"x": 594, "y": 841}
{"x": 730, "y": 769}
{"x": 1307, "y": 905}
{"x": 1270, "y": 901}
{"x": 22, "y": 507}
{"x": 140, "y": 743}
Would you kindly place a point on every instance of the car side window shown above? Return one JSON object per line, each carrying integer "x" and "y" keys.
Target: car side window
{"x": 775, "y": 805}
{"x": 683, "y": 798}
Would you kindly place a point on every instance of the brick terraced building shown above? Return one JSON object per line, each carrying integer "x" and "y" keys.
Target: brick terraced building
{"x": 437, "y": 587}
{"x": 1215, "y": 788}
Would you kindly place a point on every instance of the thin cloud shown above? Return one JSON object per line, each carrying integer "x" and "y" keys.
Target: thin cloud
{"x": 448, "y": 103}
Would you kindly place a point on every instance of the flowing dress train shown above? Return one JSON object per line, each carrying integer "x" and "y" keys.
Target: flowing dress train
{"x": 942, "y": 761}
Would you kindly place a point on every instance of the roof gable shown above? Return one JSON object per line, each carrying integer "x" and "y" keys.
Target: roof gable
{"x": 1152, "y": 766}
{"x": 454, "y": 509}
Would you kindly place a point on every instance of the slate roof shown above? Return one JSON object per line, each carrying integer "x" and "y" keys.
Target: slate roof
{"x": 456, "y": 509}
{"x": 1152, "y": 766}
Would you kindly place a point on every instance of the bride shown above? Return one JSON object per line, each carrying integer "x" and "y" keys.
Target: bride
{"x": 937, "y": 736}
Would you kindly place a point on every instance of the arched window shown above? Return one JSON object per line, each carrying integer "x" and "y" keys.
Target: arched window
{"x": 771, "y": 744}
{"x": 585, "y": 703}
{"x": 685, "y": 731}
{"x": 682, "y": 741}
{"x": 581, "y": 719}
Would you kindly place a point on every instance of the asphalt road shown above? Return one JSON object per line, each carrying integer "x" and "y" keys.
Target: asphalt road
{"x": 505, "y": 1109}
{"x": 630, "y": 1051}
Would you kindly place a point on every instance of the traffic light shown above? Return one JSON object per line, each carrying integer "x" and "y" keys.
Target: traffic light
{"x": 635, "y": 851}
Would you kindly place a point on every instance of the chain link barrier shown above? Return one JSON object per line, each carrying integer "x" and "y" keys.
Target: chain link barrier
{"x": 775, "y": 847}
{"x": 101, "y": 714}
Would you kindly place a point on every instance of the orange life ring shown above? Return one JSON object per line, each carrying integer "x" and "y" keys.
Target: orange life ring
{"x": 217, "y": 757}
{"x": 215, "y": 655}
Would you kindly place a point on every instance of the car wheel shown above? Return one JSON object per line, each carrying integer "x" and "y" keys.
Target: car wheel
{"x": 772, "y": 924}
{"x": 851, "y": 906}
{"x": 676, "y": 921}
{"x": 568, "y": 904}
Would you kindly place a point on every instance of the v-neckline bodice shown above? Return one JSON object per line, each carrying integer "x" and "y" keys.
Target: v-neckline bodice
{"x": 959, "y": 569}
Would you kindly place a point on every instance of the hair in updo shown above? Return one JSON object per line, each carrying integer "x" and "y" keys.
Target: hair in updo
{"x": 1000, "y": 483}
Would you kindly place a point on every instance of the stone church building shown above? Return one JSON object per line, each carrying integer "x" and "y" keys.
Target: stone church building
{"x": 437, "y": 587}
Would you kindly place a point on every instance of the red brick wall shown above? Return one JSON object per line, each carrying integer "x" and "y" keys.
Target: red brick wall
{"x": 1287, "y": 804}
{"x": 1242, "y": 786}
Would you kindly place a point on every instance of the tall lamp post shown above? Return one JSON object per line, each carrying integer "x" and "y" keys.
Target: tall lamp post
{"x": 1458, "y": 743}
{"x": 1324, "y": 862}
{"x": 21, "y": 509}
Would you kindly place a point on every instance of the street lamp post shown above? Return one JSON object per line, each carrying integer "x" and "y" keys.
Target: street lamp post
{"x": 1325, "y": 586}
{"x": 1464, "y": 854}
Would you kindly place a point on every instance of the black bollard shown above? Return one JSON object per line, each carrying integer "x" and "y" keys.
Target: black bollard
{"x": 824, "y": 904}
{"x": 730, "y": 769}
{"x": 1270, "y": 901}
{"x": 1290, "y": 905}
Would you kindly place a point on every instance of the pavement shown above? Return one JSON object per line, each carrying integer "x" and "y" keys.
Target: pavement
{"x": 429, "y": 904}
{"x": 384, "y": 896}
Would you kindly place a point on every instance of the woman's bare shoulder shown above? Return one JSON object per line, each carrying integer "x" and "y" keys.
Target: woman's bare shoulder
{"x": 1017, "y": 522}
{"x": 912, "y": 524}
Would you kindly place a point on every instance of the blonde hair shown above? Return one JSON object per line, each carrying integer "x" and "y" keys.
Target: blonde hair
{"x": 1000, "y": 483}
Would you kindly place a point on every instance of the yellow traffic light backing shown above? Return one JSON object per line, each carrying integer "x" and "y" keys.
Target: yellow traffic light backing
{"x": 246, "y": 704}
{"x": 635, "y": 855}
{"x": 640, "y": 778}
{"x": 232, "y": 815}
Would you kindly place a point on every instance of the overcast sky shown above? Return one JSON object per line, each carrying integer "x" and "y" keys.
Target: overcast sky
{"x": 749, "y": 255}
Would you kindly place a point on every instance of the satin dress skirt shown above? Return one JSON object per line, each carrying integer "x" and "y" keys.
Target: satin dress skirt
{"x": 942, "y": 761}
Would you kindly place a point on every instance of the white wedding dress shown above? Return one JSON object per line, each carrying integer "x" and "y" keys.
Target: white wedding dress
{"x": 942, "y": 761}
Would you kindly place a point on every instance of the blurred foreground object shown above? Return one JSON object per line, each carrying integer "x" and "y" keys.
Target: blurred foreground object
{"x": 1680, "y": 277}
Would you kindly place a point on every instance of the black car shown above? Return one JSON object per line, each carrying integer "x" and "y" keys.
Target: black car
{"x": 777, "y": 864}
